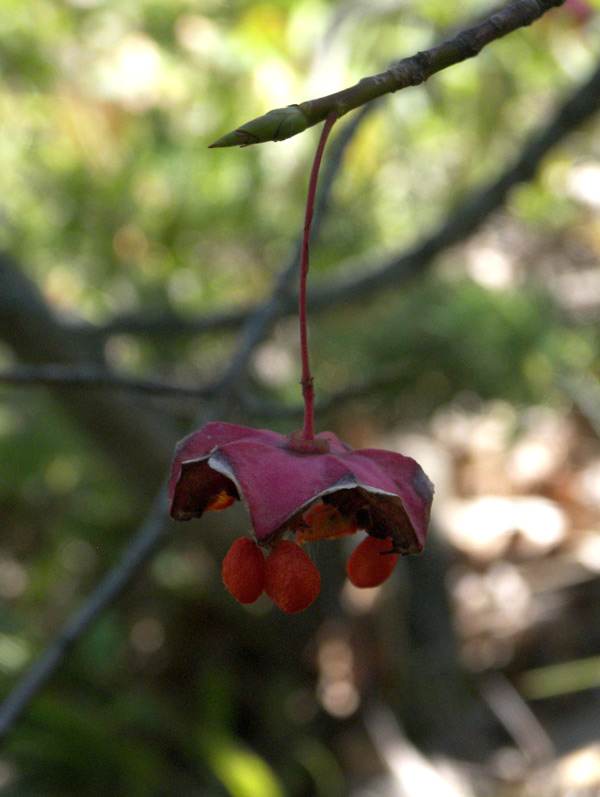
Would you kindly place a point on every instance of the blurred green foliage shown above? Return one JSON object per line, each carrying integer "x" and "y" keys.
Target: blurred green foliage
{"x": 111, "y": 202}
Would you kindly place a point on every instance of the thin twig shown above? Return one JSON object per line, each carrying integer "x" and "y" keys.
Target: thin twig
{"x": 154, "y": 532}
{"x": 282, "y": 123}
{"x": 308, "y": 391}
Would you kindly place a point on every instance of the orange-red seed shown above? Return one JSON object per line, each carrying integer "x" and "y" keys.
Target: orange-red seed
{"x": 369, "y": 565}
{"x": 323, "y": 522}
{"x": 292, "y": 580}
{"x": 244, "y": 570}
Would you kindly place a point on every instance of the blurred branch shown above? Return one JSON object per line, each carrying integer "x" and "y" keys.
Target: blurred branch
{"x": 282, "y": 123}
{"x": 168, "y": 324}
{"x": 460, "y": 223}
{"x": 518, "y": 719}
{"x": 135, "y": 438}
{"x": 469, "y": 215}
{"x": 153, "y": 533}
{"x": 562, "y": 678}
{"x": 84, "y": 376}
{"x": 88, "y": 376}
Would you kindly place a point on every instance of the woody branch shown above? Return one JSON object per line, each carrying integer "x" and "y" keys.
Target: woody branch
{"x": 282, "y": 123}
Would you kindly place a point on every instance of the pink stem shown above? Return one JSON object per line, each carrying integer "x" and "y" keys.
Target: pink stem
{"x": 308, "y": 393}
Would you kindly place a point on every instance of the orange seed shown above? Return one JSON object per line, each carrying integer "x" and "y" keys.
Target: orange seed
{"x": 370, "y": 565}
{"x": 292, "y": 580}
{"x": 244, "y": 570}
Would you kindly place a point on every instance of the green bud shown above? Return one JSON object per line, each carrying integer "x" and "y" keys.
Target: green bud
{"x": 275, "y": 125}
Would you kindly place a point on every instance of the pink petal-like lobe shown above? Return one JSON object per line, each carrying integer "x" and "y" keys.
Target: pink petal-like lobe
{"x": 278, "y": 478}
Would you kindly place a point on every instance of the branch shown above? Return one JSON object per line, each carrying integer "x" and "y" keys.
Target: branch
{"x": 87, "y": 376}
{"x": 282, "y": 123}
